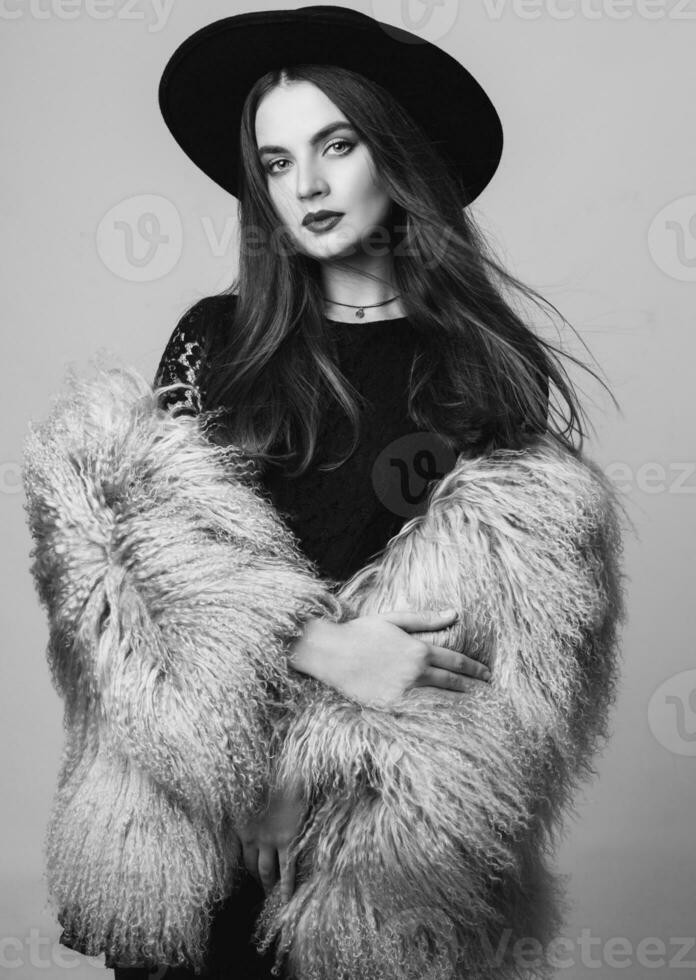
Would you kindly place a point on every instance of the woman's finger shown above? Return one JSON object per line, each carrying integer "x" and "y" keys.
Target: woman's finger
{"x": 458, "y": 662}
{"x": 287, "y": 874}
{"x": 414, "y": 621}
{"x": 435, "y": 677}
{"x": 267, "y": 866}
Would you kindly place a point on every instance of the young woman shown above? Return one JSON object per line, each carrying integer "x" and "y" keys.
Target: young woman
{"x": 359, "y": 353}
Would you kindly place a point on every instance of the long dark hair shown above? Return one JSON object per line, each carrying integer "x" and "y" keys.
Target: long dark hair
{"x": 480, "y": 376}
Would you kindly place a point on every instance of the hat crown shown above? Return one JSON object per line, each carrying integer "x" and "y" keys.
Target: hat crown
{"x": 206, "y": 81}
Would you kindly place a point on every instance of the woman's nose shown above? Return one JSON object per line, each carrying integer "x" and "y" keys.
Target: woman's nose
{"x": 309, "y": 181}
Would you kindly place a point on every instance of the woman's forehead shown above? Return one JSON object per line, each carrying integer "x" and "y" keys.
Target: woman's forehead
{"x": 294, "y": 112}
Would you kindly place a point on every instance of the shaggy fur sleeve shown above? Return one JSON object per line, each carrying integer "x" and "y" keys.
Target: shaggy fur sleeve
{"x": 424, "y": 851}
{"x": 172, "y": 589}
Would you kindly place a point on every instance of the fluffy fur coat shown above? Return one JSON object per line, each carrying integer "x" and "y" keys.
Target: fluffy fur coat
{"x": 173, "y": 590}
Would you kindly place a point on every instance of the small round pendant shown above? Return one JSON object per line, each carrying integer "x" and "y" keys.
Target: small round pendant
{"x": 360, "y": 313}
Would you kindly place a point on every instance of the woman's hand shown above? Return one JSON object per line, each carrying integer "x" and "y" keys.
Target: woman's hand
{"x": 267, "y": 837}
{"x": 374, "y": 660}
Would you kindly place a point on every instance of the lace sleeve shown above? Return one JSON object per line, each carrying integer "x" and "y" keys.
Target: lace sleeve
{"x": 180, "y": 365}
{"x": 200, "y": 331}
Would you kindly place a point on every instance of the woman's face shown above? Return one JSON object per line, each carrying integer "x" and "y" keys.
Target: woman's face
{"x": 307, "y": 172}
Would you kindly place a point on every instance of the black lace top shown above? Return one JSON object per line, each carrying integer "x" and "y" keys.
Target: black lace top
{"x": 344, "y": 516}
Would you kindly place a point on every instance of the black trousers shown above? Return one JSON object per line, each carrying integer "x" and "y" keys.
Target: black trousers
{"x": 232, "y": 954}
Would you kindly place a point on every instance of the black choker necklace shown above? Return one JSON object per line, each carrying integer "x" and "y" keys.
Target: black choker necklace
{"x": 360, "y": 310}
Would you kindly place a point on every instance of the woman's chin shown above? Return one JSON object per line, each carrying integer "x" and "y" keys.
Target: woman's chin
{"x": 328, "y": 248}
{"x": 337, "y": 242}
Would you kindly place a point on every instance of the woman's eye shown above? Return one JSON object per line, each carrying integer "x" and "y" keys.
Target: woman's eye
{"x": 340, "y": 142}
{"x": 347, "y": 143}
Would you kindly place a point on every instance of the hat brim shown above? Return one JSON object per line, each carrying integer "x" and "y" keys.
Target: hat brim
{"x": 207, "y": 79}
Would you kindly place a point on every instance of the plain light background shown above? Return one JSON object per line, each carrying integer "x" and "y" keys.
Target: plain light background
{"x": 594, "y": 205}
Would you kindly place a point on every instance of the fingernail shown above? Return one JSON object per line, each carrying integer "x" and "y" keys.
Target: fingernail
{"x": 450, "y": 611}
{"x": 487, "y": 675}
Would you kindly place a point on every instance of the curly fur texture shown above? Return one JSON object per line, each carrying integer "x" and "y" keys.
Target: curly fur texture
{"x": 172, "y": 589}
{"x": 424, "y": 854}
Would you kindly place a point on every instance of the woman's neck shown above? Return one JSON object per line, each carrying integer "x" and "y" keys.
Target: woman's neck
{"x": 360, "y": 285}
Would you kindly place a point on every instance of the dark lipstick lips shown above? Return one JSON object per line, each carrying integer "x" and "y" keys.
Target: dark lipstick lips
{"x": 319, "y": 216}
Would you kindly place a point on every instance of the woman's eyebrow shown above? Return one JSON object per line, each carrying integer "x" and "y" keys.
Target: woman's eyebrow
{"x": 322, "y": 134}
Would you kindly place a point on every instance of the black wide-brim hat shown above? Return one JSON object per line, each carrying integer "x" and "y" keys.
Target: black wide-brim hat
{"x": 207, "y": 79}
